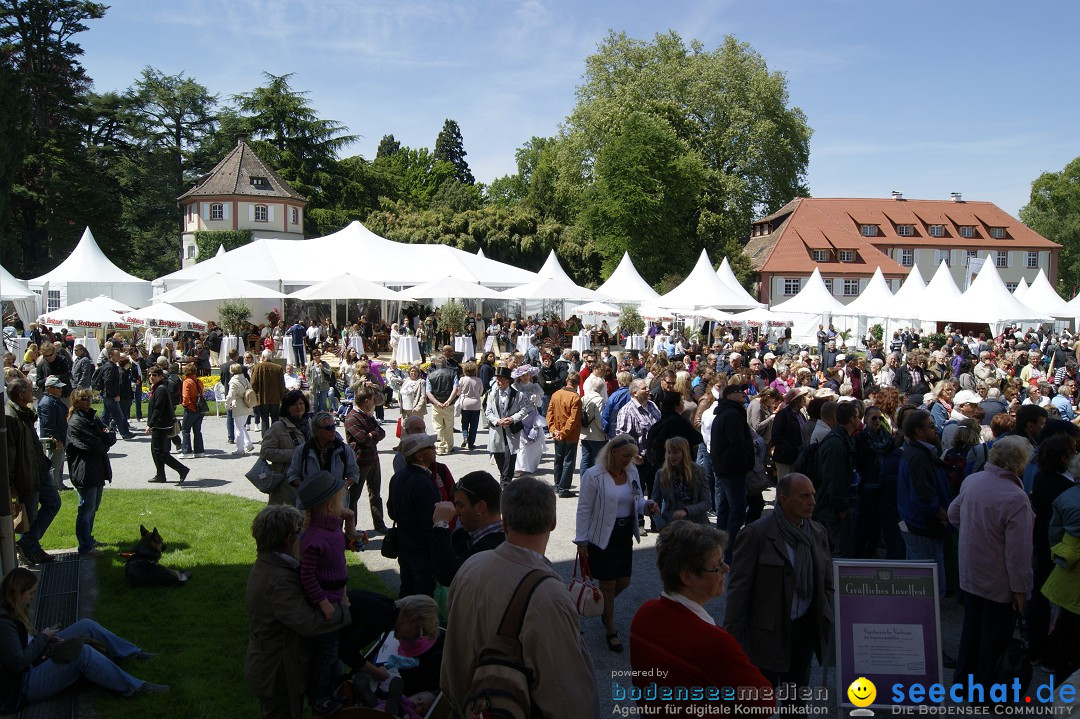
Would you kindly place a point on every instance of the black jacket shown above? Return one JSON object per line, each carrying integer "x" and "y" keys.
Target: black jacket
{"x": 786, "y": 435}
{"x": 550, "y": 379}
{"x": 731, "y": 447}
{"x": 410, "y": 502}
{"x": 668, "y": 426}
{"x": 18, "y": 651}
{"x": 160, "y": 412}
{"x": 110, "y": 380}
{"x": 88, "y": 450}
{"x": 449, "y": 550}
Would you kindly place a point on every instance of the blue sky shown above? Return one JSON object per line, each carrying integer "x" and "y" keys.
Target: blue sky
{"x": 925, "y": 98}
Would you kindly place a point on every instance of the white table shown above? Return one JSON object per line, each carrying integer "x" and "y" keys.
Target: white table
{"x": 465, "y": 345}
{"x": 357, "y": 343}
{"x": 228, "y": 344}
{"x": 489, "y": 344}
{"x": 580, "y": 343}
{"x": 408, "y": 351}
{"x": 635, "y": 342}
{"x": 524, "y": 342}
{"x": 91, "y": 345}
{"x": 20, "y": 343}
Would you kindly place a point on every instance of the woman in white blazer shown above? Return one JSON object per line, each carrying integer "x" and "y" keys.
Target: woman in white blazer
{"x": 234, "y": 400}
{"x": 610, "y": 500}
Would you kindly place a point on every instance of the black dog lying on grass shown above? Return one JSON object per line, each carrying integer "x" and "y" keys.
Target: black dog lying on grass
{"x": 142, "y": 568}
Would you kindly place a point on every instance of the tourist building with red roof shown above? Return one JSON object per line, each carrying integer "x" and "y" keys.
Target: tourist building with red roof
{"x": 847, "y": 239}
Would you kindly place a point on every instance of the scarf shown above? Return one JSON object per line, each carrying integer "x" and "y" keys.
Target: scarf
{"x": 798, "y": 536}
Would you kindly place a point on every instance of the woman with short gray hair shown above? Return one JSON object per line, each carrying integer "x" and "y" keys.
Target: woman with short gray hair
{"x": 996, "y": 522}
{"x": 279, "y": 617}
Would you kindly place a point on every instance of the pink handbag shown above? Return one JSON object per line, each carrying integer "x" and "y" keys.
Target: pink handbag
{"x": 585, "y": 592}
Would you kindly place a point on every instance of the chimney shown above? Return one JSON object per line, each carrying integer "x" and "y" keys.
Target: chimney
{"x": 897, "y": 195}
{"x": 241, "y": 138}
{"x": 955, "y": 197}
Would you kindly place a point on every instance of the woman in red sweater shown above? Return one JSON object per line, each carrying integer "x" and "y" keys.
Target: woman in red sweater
{"x": 191, "y": 390}
{"x": 680, "y": 657}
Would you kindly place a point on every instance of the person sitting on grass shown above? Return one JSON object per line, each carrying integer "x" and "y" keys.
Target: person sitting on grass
{"x": 39, "y": 664}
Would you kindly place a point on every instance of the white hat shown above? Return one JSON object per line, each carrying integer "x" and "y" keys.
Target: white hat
{"x": 770, "y": 355}
{"x": 966, "y": 396}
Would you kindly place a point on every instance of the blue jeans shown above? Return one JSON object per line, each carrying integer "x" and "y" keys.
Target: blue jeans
{"x": 48, "y": 497}
{"x": 230, "y": 427}
{"x": 114, "y": 414}
{"x": 89, "y": 501}
{"x": 590, "y": 448}
{"x": 318, "y": 401}
{"x": 191, "y": 424}
{"x": 565, "y": 458}
{"x": 927, "y": 549}
{"x": 48, "y": 678}
{"x": 730, "y": 507}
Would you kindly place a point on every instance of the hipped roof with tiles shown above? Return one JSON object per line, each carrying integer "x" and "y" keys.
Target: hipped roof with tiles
{"x": 831, "y": 224}
{"x": 243, "y": 173}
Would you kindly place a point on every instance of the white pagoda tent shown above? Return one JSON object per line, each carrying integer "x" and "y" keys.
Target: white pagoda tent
{"x": 625, "y": 285}
{"x": 876, "y": 300}
{"x": 22, "y": 297}
{"x": 727, "y": 276}
{"x": 703, "y": 288}
{"x": 988, "y": 301}
{"x": 87, "y": 273}
{"x": 1021, "y": 288}
{"x": 551, "y": 283}
{"x": 1042, "y": 296}
{"x": 940, "y": 296}
{"x": 814, "y": 304}
{"x": 290, "y": 265}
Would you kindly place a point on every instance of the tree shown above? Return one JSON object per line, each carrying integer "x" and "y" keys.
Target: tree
{"x": 416, "y": 175}
{"x": 39, "y": 50}
{"x": 723, "y": 104}
{"x": 449, "y": 147}
{"x": 387, "y": 146}
{"x": 644, "y": 198}
{"x": 1054, "y": 212}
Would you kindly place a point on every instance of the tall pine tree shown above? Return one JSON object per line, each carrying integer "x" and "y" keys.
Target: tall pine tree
{"x": 450, "y": 148}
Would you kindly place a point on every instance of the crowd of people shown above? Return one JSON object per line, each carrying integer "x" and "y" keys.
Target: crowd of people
{"x": 956, "y": 449}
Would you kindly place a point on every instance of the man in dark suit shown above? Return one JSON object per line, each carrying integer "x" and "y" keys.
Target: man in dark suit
{"x": 781, "y": 569}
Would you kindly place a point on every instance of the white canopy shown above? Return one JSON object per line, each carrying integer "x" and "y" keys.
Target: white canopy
{"x": 15, "y": 291}
{"x": 551, "y": 283}
{"x": 710, "y": 313}
{"x": 940, "y": 297}
{"x": 876, "y": 299}
{"x": 727, "y": 276}
{"x": 1041, "y": 296}
{"x": 988, "y": 301}
{"x": 299, "y": 263}
{"x": 702, "y": 288}
{"x": 106, "y": 301}
{"x": 86, "y": 314}
{"x": 345, "y": 287}
{"x": 166, "y": 316}
{"x": 451, "y": 288}
{"x": 760, "y": 317}
{"x": 912, "y": 289}
{"x": 1021, "y": 288}
{"x": 813, "y": 299}
{"x": 626, "y": 285}
{"x": 203, "y": 297}
{"x": 87, "y": 273}
{"x": 653, "y": 313}
{"x": 595, "y": 308}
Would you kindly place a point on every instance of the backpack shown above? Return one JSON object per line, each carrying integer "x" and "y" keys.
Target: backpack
{"x": 955, "y": 467}
{"x": 807, "y": 462}
{"x": 175, "y": 385}
{"x": 500, "y": 682}
{"x": 97, "y": 380}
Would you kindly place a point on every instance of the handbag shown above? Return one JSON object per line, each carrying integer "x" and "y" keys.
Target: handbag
{"x": 176, "y": 429}
{"x": 250, "y": 398}
{"x": 19, "y": 516}
{"x": 390, "y": 544}
{"x": 201, "y": 406}
{"x": 263, "y": 476}
{"x": 1014, "y": 662}
{"x": 584, "y": 590}
{"x": 397, "y": 432}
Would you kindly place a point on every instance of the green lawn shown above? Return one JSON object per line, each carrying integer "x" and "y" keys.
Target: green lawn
{"x": 200, "y": 629}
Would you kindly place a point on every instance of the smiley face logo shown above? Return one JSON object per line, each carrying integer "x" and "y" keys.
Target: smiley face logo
{"x": 862, "y": 692}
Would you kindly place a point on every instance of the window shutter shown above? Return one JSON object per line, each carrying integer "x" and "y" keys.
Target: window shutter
{"x": 269, "y": 213}
{"x": 225, "y": 210}
{"x": 251, "y": 212}
{"x": 204, "y": 210}
{"x": 916, "y": 257}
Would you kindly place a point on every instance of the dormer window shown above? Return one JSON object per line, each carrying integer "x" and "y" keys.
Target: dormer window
{"x": 905, "y": 230}
{"x": 937, "y": 230}
{"x": 260, "y": 183}
{"x": 819, "y": 255}
{"x": 998, "y": 233}
{"x": 967, "y": 231}
{"x": 869, "y": 230}
{"x": 845, "y": 255}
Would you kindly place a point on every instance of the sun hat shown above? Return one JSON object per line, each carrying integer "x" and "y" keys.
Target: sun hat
{"x": 412, "y": 443}
{"x": 318, "y": 488}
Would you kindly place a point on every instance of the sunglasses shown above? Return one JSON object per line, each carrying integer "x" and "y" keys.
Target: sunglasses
{"x": 722, "y": 569}
{"x": 325, "y": 427}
